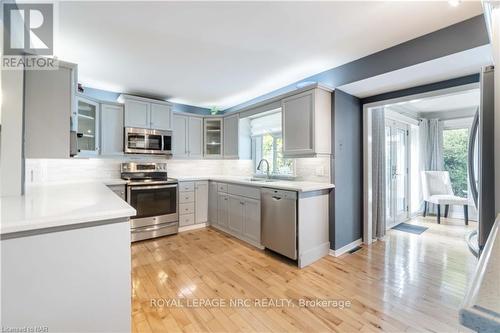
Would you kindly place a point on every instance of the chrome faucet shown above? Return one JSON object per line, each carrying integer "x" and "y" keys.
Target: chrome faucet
{"x": 259, "y": 167}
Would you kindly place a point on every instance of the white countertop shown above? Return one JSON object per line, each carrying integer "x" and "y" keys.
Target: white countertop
{"x": 299, "y": 186}
{"x": 481, "y": 308}
{"x": 55, "y": 205}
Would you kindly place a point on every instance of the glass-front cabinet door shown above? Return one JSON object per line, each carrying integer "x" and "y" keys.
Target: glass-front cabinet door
{"x": 87, "y": 127}
{"x": 213, "y": 137}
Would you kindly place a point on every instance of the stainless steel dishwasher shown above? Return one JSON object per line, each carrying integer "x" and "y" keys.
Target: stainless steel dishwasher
{"x": 279, "y": 221}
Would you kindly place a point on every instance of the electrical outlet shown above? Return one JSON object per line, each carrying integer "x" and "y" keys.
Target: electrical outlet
{"x": 320, "y": 171}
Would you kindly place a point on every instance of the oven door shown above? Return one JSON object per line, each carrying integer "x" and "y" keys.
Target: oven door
{"x": 155, "y": 204}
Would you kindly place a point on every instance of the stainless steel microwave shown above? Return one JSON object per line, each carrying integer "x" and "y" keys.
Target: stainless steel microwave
{"x": 147, "y": 141}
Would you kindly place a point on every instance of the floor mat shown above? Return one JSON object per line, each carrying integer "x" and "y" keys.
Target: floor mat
{"x": 411, "y": 228}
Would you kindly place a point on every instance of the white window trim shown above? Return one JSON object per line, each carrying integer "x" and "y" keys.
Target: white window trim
{"x": 258, "y": 158}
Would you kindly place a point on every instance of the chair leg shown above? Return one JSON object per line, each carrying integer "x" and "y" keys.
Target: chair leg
{"x": 466, "y": 214}
{"x": 446, "y": 209}
{"x": 439, "y": 214}
{"x": 425, "y": 208}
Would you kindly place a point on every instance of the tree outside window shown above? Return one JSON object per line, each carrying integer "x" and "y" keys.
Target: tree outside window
{"x": 271, "y": 149}
{"x": 455, "y": 146}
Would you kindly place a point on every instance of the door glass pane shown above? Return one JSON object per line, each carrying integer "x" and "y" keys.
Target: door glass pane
{"x": 86, "y": 125}
{"x": 153, "y": 202}
{"x": 400, "y": 170}
{"x": 136, "y": 141}
{"x": 154, "y": 142}
{"x": 388, "y": 176}
{"x": 213, "y": 137}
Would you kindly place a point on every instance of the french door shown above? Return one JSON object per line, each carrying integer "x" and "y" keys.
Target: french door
{"x": 396, "y": 164}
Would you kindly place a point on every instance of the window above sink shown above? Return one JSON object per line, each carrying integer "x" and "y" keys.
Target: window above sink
{"x": 267, "y": 143}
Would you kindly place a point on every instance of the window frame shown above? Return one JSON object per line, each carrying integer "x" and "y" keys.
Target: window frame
{"x": 258, "y": 155}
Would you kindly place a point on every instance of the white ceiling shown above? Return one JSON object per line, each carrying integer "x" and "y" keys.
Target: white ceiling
{"x": 225, "y": 53}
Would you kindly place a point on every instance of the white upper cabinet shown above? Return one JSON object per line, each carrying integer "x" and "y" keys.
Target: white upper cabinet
{"x": 111, "y": 129}
{"x": 180, "y": 136}
{"x": 187, "y": 136}
{"x": 49, "y": 111}
{"x": 231, "y": 136}
{"x": 146, "y": 113}
{"x": 137, "y": 113}
{"x": 161, "y": 116}
{"x": 213, "y": 135}
{"x": 195, "y": 137}
{"x": 306, "y": 121}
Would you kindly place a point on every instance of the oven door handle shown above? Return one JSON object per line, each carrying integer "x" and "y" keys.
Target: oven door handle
{"x": 152, "y": 187}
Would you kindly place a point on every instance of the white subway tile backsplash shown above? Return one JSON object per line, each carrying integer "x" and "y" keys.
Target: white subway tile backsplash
{"x": 79, "y": 169}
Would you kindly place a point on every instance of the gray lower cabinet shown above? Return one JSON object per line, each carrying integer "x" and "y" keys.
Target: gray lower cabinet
{"x": 235, "y": 209}
{"x": 222, "y": 210}
{"x": 244, "y": 218}
{"x": 212, "y": 202}
{"x": 201, "y": 201}
{"x": 251, "y": 219}
{"x": 119, "y": 190}
{"x": 193, "y": 202}
{"x": 236, "y": 214}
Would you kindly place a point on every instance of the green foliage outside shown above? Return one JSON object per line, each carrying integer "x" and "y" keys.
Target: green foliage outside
{"x": 272, "y": 150}
{"x": 455, "y": 145}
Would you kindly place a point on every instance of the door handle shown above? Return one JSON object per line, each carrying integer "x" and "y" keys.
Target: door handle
{"x": 276, "y": 198}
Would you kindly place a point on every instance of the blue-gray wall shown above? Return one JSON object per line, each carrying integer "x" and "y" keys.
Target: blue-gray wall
{"x": 111, "y": 96}
{"x": 346, "y": 200}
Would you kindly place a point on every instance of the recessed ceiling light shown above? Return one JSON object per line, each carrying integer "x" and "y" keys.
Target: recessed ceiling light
{"x": 454, "y": 3}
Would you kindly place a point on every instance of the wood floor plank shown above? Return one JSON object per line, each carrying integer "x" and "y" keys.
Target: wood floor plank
{"x": 404, "y": 283}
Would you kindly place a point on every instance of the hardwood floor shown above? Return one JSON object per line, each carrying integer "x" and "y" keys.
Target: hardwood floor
{"x": 407, "y": 283}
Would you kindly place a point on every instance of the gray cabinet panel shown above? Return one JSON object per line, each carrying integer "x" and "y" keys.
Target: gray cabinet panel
{"x": 111, "y": 129}
{"x": 49, "y": 105}
{"x": 137, "y": 114}
{"x": 201, "y": 201}
{"x": 179, "y": 136}
{"x": 251, "y": 222}
{"x": 236, "y": 211}
{"x": 212, "y": 202}
{"x": 161, "y": 116}
{"x": 231, "y": 137}
{"x": 195, "y": 137}
{"x": 223, "y": 210}
{"x": 298, "y": 123}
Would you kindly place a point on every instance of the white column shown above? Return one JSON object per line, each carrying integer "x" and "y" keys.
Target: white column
{"x": 495, "y": 40}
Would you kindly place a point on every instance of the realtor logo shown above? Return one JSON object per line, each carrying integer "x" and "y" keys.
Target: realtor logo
{"x": 28, "y": 29}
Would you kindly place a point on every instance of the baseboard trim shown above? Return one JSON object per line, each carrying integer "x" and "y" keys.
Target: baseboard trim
{"x": 345, "y": 248}
{"x": 308, "y": 257}
{"x": 192, "y": 227}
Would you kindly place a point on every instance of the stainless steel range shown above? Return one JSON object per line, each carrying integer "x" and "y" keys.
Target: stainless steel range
{"x": 154, "y": 196}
